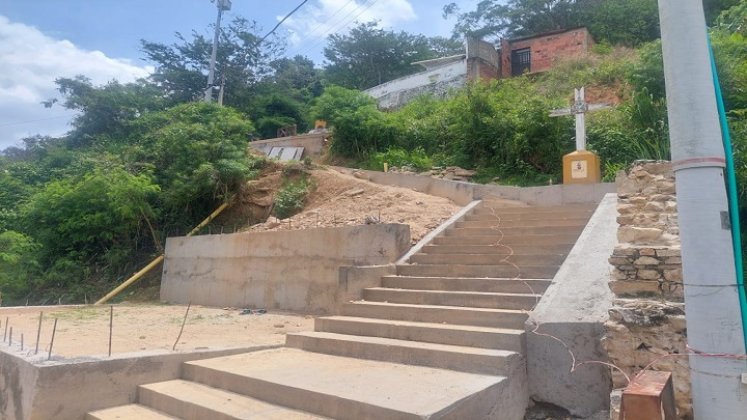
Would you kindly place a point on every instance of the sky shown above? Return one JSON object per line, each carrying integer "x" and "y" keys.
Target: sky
{"x": 41, "y": 40}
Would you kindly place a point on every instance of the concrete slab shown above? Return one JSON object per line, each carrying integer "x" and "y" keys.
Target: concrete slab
{"x": 128, "y": 412}
{"x": 519, "y": 301}
{"x": 463, "y": 335}
{"x": 441, "y": 356}
{"x": 484, "y": 317}
{"x": 504, "y": 270}
{"x": 193, "y": 401}
{"x": 533, "y": 286}
{"x": 341, "y": 387}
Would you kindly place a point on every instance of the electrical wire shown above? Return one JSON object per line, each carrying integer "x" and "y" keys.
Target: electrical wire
{"x": 340, "y": 27}
{"x": 281, "y": 21}
{"x": 33, "y": 121}
{"x": 329, "y": 19}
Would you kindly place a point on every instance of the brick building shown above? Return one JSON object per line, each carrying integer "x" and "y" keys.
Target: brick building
{"x": 482, "y": 61}
{"x": 538, "y": 53}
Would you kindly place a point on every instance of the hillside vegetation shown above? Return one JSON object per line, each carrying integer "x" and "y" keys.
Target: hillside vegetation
{"x": 146, "y": 160}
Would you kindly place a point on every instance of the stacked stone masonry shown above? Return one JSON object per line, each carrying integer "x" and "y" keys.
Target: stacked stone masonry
{"x": 647, "y": 327}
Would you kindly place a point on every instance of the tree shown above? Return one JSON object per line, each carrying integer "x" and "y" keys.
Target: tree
{"x": 629, "y": 22}
{"x": 181, "y": 68}
{"x": 197, "y": 155}
{"x": 368, "y": 56}
{"x": 105, "y": 111}
{"x": 18, "y": 266}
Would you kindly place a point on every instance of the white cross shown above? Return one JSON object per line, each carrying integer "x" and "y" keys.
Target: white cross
{"x": 579, "y": 109}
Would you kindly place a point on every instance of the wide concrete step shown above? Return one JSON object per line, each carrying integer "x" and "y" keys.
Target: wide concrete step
{"x": 347, "y": 388}
{"x": 487, "y": 206}
{"x": 512, "y": 231}
{"x": 504, "y": 270}
{"x": 194, "y": 401}
{"x": 532, "y": 286}
{"x": 128, "y": 412}
{"x": 452, "y": 298}
{"x": 511, "y": 240}
{"x": 457, "y": 335}
{"x": 487, "y": 215}
{"x": 493, "y": 249}
{"x": 440, "y": 356}
{"x": 455, "y": 315}
{"x": 488, "y": 259}
{"x": 490, "y": 223}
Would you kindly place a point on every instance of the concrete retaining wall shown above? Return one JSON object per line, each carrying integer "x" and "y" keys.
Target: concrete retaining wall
{"x": 574, "y": 309}
{"x": 312, "y": 143}
{"x": 463, "y": 193}
{"x": 68, "y": 390}
{"x": 290, "y": 270}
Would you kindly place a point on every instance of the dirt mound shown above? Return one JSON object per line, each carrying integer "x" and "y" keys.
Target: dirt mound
{"x": 339, "y": 200}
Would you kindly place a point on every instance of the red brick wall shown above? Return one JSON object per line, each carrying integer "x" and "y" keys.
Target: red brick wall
{"x": 478, "y": 69}
{"x": 546, "y": 50}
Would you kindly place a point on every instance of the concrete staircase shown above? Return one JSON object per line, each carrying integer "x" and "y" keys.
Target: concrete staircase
{"x": 442, "y": 339}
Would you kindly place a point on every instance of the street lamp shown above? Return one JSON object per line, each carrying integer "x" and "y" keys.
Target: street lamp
{"x": 223, "y": 5}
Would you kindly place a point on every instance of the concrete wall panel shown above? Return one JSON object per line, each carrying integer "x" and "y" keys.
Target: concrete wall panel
{"x": 312, "y": 143}
{"x": 294, "y": 270}
{"x": 573, "y": 310}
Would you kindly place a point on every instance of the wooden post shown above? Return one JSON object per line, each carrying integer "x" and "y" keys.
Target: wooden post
{"x": 38, "y": 332}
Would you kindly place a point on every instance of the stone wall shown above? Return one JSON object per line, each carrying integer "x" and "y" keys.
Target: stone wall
{"x": 647, "y": 320}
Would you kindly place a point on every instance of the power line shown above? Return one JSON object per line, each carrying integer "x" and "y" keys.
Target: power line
{"x": 340, "y": 27}
{"x": 329, "y": 19}
{"x": 282, "y": 20}
{"x": 36, "y": 120}
{"x": 313, "y": 31}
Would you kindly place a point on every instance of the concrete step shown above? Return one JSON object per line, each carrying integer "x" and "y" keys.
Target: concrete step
{"x": 503, "y": 270}
{"x": 194, "y": 401}
{"x": 457, "y": 335}
{"x": 452, "y": 298}
{"x": 128, "y": 412}
{"x": 455, "y": 315}
{"x": 468, "y": 284}
{"x": 487, "y": 206}
{"x": 493, "y": 222}
{"x": 488, "y": 259}
{"x": 511, "y": 240}
{"x": 570, "y": 231}
{"x": 499, "y": 250}
{"x": 440, "y": 356}
{"x": 346, "y": 388}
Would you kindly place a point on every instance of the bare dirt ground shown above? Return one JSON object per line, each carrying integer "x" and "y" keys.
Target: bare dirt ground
{"x": 84, "y": 330}
{"x": 341, "y": 199}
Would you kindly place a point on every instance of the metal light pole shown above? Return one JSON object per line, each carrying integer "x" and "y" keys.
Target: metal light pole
{"x": 223, "y": 5}
{"x": 712, "y": 305}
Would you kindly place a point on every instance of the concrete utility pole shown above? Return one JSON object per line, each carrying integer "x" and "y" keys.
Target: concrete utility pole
{"x": 223, "y": 5}
{"x": 711, "y": 298}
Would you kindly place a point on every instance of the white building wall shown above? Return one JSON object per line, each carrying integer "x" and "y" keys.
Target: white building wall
{"x": 439, "y": 80}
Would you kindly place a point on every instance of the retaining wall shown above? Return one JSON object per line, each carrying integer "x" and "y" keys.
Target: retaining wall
{"x": 574, "y": 310}
{"x": 313, "y": 144}
{"x": 647, "y": 319}
{"x": 67, "y": 390}
{"x": 463, "y": 193}
{"x": 290, "y": 270}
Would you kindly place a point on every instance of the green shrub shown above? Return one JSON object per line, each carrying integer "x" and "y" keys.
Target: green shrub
{"x": 291, "y": 199}
{"x": 417, "y": 159}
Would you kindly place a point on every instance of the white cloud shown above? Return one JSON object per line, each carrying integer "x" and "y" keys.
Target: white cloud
{"x": 329, "y": 16}
{"x": 31, "y": 61}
